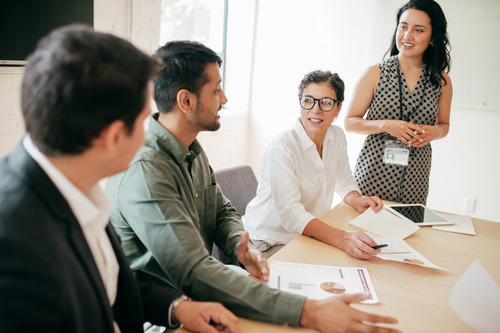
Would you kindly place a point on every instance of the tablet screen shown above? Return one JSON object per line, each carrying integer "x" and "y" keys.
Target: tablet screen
{"x": 418, "y": 214}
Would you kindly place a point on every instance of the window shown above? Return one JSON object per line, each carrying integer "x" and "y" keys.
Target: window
{"x": 204, "y": 21}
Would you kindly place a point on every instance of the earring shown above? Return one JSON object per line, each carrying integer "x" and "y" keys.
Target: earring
{"x": 431, "y": 43}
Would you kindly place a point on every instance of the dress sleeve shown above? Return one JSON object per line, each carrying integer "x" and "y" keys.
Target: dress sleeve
{"x": 168, "y": 233}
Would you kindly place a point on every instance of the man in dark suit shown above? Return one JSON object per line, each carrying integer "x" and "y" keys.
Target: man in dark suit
{"x": 85, "y": 97}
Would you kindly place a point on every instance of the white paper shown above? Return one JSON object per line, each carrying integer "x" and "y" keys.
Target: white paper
{"x": 399, "y": 250}
{"x": 463, "y": 224}
{"x": 476, "y": 299}
{"x": 320, "y": 282}
{"x": 384, "y": 224}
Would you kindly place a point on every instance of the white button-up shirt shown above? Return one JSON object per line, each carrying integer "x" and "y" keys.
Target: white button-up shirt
{"x": 297, "y": 185}
{"x": 92, "y": 212}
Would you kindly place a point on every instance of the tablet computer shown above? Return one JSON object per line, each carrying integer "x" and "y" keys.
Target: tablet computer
{"x": 418, "y": 214}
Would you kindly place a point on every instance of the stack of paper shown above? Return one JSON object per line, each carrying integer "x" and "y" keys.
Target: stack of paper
{"x": 463, "y": 224}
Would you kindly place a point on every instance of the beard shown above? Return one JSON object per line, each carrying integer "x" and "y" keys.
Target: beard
{"x": 204, "y": 119}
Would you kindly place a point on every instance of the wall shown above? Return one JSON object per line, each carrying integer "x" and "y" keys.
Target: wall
{"x": 325, "y": 34}
{"x": 115, "y": 16}
{"x": 349, "y": 36}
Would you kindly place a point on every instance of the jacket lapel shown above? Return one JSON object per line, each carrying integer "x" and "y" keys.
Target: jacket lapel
{"x": 33, "y": 175}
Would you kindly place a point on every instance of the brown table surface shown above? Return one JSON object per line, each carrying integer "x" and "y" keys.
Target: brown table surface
{"x": 417, "y": 296}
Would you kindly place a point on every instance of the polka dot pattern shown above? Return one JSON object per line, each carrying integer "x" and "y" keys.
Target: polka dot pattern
{"x": 404, "y": 184}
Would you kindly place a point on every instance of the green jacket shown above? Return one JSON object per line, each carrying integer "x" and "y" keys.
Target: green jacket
{"x": 168, "y": 212}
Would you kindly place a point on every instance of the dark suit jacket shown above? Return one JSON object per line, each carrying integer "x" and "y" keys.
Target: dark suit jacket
{"x": 49, "y": 281}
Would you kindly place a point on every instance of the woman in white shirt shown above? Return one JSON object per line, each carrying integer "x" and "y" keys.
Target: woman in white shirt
{"x": 300, "y": 172}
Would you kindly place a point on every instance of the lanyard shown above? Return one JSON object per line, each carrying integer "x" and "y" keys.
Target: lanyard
{"x": 401, "y": 95}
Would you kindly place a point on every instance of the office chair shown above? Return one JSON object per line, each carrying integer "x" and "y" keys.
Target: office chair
{"x": 239, "y": 185}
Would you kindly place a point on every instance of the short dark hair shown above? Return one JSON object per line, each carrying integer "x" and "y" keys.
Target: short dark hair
{"x": 319, "y": 76}
{"x": 184, "y": 64}
{"x": 77, "y": 82}
{"x": 437, "y": 56}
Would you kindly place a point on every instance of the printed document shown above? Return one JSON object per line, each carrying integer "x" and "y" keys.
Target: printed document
{"x": 463, "y": 224}
{"x": 320, "y": 282}
{"x": 384, "y": 224}
{"x": 399, "y": 250}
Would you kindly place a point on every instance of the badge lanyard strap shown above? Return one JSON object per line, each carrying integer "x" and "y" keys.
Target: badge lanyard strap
{"x": 401, "y": 95}
{"x": 403, "y": 169}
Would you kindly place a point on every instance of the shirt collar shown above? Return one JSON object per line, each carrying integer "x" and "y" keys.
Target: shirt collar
{"x": 92, "y": 208}
{"x": 305, "y": 140}
{"x": 171, "y": 143}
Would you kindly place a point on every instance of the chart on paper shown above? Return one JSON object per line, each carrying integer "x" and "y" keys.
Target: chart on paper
{"x": 320, "y": 282}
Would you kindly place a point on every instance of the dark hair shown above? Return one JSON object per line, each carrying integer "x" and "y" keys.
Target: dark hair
{"x": 184, "y": 68}
{"x": 79, "y": 81}
{"x": 323, "y": 76}
{"x": 437, "y": 56}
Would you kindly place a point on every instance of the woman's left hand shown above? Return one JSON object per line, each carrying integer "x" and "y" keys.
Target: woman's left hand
{"x": 363, "y": 203}
{"x": 427, "y": 133}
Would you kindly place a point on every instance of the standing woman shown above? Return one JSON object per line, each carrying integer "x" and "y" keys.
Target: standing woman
{"x": 406, "y": 100}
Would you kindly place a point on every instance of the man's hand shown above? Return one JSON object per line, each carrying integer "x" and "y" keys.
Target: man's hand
{"x": 252, "y": 259}
{"x": 335, "y": 315}
{"x": 206, "y": 317}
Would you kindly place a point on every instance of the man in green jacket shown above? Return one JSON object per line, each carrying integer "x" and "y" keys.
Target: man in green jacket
{"x": 169, "y": 209}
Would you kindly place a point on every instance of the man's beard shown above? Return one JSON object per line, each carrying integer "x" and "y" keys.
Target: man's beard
{"x": 212, "y": 126}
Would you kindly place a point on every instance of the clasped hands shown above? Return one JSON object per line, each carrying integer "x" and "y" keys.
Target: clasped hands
{"x": 410, "y": 133}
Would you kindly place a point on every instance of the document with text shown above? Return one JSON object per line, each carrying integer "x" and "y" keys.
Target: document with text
{"x": 399, "y": 250}
{"x": 319, "y": 281}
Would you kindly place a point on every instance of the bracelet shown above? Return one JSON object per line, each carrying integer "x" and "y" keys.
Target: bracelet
{"x": 172, "y": 321}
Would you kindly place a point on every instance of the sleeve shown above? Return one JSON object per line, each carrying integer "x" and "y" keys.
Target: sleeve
{"x": 154, "y": 209}
{"x": 28, "y": 291}
{"x": 344, "y": 182}
{"x": 154, "y": 295}
{"x": 157, "y": 298}
{"x": 279, "y": 164}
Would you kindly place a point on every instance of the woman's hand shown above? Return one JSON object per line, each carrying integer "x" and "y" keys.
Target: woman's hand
{"x": 427, "y": 133}
{"x": 405, "y": 131}
{"x": 363, "y": 203}
{"x": 359, "y": 245}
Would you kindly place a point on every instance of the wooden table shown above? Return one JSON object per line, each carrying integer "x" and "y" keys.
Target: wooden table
{"x": 417, "y": 296}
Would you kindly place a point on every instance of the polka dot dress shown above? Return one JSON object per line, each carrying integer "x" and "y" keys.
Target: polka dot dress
{"x": 404, "y": 184}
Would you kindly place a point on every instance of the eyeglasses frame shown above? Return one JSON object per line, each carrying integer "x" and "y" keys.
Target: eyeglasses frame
{"x": 335, "y": 101}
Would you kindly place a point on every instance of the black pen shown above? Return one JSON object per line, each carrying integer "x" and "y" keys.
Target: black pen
{"x": 379, "y": 246}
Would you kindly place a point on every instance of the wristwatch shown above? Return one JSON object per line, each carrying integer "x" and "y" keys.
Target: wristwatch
{"x": 172, "y": 321}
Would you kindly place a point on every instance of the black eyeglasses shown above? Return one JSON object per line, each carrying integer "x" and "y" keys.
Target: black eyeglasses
{"x": 325, "y": 104}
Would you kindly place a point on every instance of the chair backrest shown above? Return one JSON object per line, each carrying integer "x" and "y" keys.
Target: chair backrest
{"x": 238, "y": 184}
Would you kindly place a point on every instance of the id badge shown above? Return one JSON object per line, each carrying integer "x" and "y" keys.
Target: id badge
{"x": 396, "y": 152}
